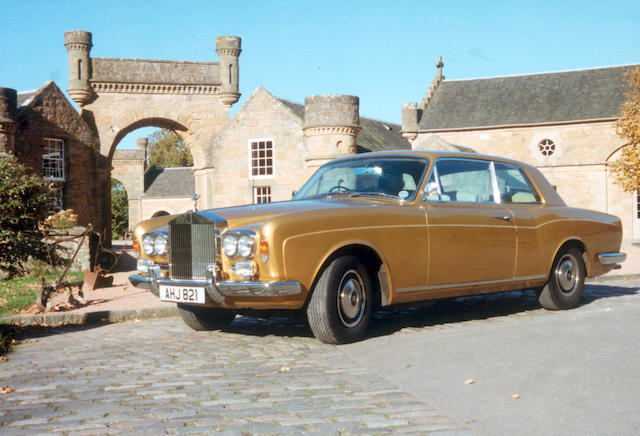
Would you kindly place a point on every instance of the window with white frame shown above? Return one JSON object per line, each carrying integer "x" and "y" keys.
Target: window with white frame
{"x": 261, "y": 194}
{"x": 53, "y": 159}
{"x": 261, "y": 158}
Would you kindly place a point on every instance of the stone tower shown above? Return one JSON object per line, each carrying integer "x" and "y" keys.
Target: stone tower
{"x": 331, "y": 126}
{"x": 228, "y": 49}
{"x": 8, "y": 110}
{"x": 78, "y": 45}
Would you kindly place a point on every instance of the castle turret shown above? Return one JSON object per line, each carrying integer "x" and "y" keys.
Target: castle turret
{"x": 228, "y": 49}
{"x": 8, "y": 111}
{"x": 78, "y": 45}
{"x": 331, "y": 126}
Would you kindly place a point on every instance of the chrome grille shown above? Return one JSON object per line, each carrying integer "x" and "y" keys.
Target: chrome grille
{"x": 192, "y": 248}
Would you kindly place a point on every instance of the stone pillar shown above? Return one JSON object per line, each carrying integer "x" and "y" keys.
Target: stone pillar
{"x": 331, "y": 126}
{"x": 142, "y": 144}
{"x": 78, "y": 44}
{"x": 228, "y": 49}
{"x": 411, "y": 114}
{"x": 8, "y": 126}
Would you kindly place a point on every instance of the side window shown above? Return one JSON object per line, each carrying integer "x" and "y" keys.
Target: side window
{"x": 514, "y": 185}
{"x": 461, "y": 181}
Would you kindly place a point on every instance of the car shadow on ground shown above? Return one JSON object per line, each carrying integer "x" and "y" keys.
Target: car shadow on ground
{"x": 442, "y": 312}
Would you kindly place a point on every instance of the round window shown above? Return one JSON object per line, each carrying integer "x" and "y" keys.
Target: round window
{"x": 547, "y": 147}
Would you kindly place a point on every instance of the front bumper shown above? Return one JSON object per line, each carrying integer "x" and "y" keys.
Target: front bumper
{"x": 218, "y": 291}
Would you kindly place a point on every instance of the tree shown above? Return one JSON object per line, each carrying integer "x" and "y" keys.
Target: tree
{"x": 627, "y": 168}
{"x": 23, "y": 208}
{"x": 119, "y": 210}
{"x": 167, "y": 150}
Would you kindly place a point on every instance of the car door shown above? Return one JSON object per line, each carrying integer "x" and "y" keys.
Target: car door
{"x": 520, "y": 196}
{"x": 472, "y": 238}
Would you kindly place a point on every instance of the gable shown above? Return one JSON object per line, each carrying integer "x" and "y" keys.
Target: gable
{"x": 582, "y": 95}
{"x": 49, "y": 107}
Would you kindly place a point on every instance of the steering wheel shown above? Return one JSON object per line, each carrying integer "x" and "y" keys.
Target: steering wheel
{"x": 339, "y": 188}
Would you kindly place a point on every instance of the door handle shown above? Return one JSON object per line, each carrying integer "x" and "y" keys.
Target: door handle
{"x": 506, "y": 218}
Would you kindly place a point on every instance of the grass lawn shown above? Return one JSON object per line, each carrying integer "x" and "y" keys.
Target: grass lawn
{"x": 20, "y": 293}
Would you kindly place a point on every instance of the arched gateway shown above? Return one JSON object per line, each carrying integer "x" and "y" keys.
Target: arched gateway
{"x": 117, "y": 96}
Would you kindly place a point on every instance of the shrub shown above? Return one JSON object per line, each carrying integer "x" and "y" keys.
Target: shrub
{"x": 23, "y": 206}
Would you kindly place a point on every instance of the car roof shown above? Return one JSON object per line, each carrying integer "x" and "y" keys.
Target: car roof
{"x": 436, "y": 154}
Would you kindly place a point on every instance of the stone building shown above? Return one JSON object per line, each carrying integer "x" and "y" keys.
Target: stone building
{"x": 271, "y": 146}
{"x": 45, "y": 133}
{"x": 562, "y": 122}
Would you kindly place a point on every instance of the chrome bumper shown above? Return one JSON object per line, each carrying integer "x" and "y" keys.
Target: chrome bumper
{"x": 218, "y": 291}
{"x": 611, "y": 258}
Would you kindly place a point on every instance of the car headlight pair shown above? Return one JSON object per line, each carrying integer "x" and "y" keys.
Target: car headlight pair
{"x": 155, "y": 243}
{"x": 239, "y": 243}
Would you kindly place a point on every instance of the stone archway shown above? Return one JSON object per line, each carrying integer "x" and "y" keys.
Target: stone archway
{"x": 117, "y": 96}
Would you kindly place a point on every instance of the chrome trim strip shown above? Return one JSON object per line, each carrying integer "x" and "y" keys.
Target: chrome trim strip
{"x": 259, "y": 289}
{"x": 611, "y": 258}
{"x": 460, "y": 285}
{"x": 497, "y": 197}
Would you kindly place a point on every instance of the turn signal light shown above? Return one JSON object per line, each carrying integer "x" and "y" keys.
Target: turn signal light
{"x": 264, "y": 250}
{"x": 136, "y": 246}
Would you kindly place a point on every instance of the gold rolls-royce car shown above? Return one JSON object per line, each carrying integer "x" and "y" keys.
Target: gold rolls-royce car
{"x": 379, "y": 229}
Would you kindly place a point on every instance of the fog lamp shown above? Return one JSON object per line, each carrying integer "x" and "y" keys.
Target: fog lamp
{"x": 245, "y": 268}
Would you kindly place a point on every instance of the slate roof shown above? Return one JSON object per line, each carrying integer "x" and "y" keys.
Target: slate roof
{"x": 530, "y": 99}
{"x": 24, "y": 97}
{"x": 169, "y": 182}
{"x": 374, "y": 135}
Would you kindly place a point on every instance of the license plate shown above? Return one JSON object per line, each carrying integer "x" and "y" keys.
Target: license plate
{"x": 182, "y": 294}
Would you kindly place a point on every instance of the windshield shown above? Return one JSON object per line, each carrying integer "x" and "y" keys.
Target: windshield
{"x": 388, "y": 176}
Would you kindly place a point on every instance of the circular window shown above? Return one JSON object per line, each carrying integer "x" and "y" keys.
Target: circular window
{"x": 547, "y": 147}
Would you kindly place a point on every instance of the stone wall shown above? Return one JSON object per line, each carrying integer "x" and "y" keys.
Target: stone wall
{"x": 154, "y": 72}
{"x": 262, "y": 117}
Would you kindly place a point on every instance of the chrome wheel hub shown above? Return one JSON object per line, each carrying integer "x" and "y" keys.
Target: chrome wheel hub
{"x": 351, "y": 299}
{"x": 567, "y": 273}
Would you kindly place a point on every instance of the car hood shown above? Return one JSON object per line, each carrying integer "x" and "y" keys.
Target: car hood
{"x": 238, "y": 216}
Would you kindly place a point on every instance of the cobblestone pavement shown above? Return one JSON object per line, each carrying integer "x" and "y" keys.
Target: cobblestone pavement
{"x": 158, "y": 376}
{"x": 268, "y": 376}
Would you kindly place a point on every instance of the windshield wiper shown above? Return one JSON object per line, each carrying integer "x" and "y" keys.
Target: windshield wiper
{"x": 374, "y": 194}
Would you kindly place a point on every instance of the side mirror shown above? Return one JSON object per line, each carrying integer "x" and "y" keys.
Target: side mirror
{"x": 431, "y": 189}
{"x": 293, "y": 193}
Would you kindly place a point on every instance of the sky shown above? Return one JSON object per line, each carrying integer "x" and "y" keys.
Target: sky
{"x": 382, "y": 51}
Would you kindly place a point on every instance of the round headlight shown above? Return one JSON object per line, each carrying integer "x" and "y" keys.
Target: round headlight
{"x": 245, "y": 245}
{"x": 161, "y": 244}
{"x": 148, "y": 244}
{"x": 230, "y": 244}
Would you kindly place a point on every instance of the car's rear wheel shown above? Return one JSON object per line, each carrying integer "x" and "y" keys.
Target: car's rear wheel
{"x": 340, "y": 306}
{"x": 566, "y": 281}
{"x": 205, "y": 318}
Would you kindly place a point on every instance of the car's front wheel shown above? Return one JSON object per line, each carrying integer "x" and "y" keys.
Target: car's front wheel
{"x": 205, "y": 318}
{"x": 341, "y": 303}
{"x": 566, "y": 281}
